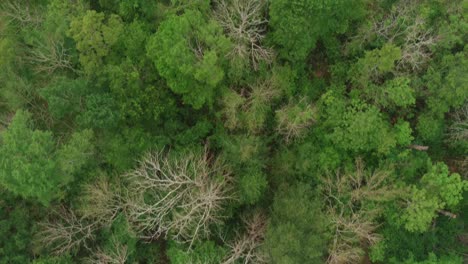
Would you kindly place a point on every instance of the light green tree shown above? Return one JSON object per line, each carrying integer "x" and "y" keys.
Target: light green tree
{"x": 438, "y": 190}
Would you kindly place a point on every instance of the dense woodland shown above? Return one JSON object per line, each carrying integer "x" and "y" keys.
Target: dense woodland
{"x": 233, "y": 131}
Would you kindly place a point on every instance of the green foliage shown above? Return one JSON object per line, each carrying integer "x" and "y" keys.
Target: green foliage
{"x": 447, "y": 83}
{"x": 439, "y": 190}
{"x": 65, "y": 97}
{"x": 188, "y": 51}
{"x": 433, "y": 259}
{"x": 32, "y": 166}
{"x": 363, "y": 128}
{"x": 54, "y": 260}
{"x": 206, "y": 252}
{"x": 119, "y": 238}
{"x": 243, "y": 106}
{"x": 15, "y": 230}
{"x": 297, "y": 232}
{"x": 95, "y": 35}
{"x": 246, "y": 154}
{"x": 295, "y": 30}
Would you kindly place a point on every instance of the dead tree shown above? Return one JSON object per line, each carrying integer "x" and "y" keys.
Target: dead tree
{"x": 458, "y": 131}
{"x": 245, "y": 23}
{"x": 404, "y": 27}
{"x": 346, "y": 196}
{"x": 21, "y": 13}
{"x": 246, "y": 247}
{"x": 64, "y": 231}
{"x": 49, "y": 56}
{"x": 118, "y": 254}
{"x": 177, "y": 196}
{"x": 102, "y": 201}
{"x": 294, "y": 119}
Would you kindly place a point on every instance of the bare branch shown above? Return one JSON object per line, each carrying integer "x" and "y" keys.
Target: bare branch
{"x": 20, "y": 12}
{"x": 50, "y": 56}
{"x": 118, "y": 254}
{"x": 245, "y": 248}
{"x": 245, "y": 23}
{"x": 64, "y": 232}
{"x": 294, "y": 119}
{"x": 178, "y": 196}
{"x": 404, "y": 25}
{"x": 355, "y": 223}
{"x": 458, "y": 131}
{"x": 102, "y": 201}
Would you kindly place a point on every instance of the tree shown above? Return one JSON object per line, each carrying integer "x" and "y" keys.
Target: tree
{"x": 294, "y": 118}
{"x": 247, "y": 247}
{"x": 353, "y": 203}
{"x": 375, "y": 63}
{"x": 65, "y": 232}
{"x": 118, "y": 245}
{"x": 65, "y": 96}
{"x": 458, "y": 131}
{"x": 187, "y": 194}
{"x": 32, "y": 166}
{"x": 297, "y": 230}
{"x": 438, "y": 190}
{"x": 95, "y": 35}
{"x": 204, "y": 252}
{"x": 298, "y": 25}
{"x": 246, "y": 154}
{"x": 245, "y": 23}
{"x": 363, "y": 128}
{"x": 247, "y": 108}
{"x": 188, "y": 50}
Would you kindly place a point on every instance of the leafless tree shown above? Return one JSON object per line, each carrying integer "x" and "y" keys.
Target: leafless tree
{"x": 117, "y": 255}
{"x": 246, "y": 247}
{"x": 294, "y": 119}
{"x": 347, "y": 195}
{"x": 20, "y": 12}
{"x": 64, "y": 231}
{"x": 252, "y": 103}
{"x": 49, "y": 56}
{"x": 458, "y": 131}
{"x": 404, "y": 25}
{"x": 186, "y": 195}
{"x": 102, "y": 201}
{"x": 245, "y": 23}
{"x": 350, "y": 232}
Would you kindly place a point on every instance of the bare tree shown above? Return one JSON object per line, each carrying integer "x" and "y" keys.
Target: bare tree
{"x": 246, "y": 247}
{"x": 102, "y": 201}
{"x": 403, "y": 25}
{"x": 64, "y": 231}
{"x": 178, "y": 196}
{"x": 49, "y": 56}
{"x": 458, "y": 131}
{"x": 252, "y": 103}
{"x": 245, "y": 23}
{"x": 294, "y": 119}
{"x": 20, "y": 12}
{"x": 355, "y": 223}
{"x": 117, "y": 255}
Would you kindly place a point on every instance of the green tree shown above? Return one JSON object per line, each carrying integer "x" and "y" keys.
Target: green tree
{"x": 188, "y": 51}
{"x": 206, "y": 252}
{"x": 363, "y": 128}
{"x": 438, "y": 190}
{"x": 32, "y": 166}
{"x": 297, "y": 25}
{"x": 95, "y": 35}
{"x": 297, "y": 232}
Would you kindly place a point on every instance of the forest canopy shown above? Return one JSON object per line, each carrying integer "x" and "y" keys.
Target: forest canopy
{"x": 233, "y": 131}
